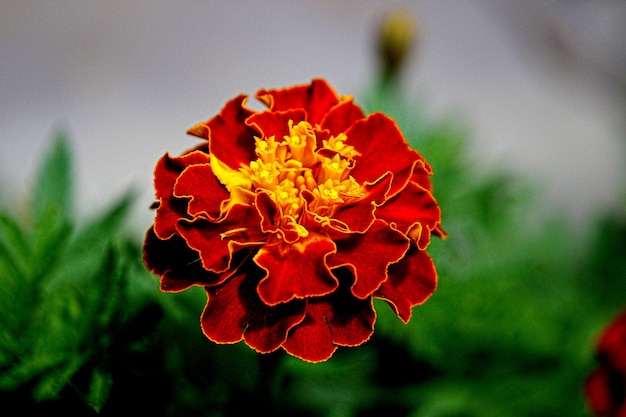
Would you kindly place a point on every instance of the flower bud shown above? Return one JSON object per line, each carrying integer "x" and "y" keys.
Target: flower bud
{"x": 398, "y": 33}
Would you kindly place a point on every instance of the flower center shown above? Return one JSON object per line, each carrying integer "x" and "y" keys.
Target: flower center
{"x": 297, "y": 174}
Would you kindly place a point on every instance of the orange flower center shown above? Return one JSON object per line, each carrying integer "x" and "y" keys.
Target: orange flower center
{"x": 296, "y": 175}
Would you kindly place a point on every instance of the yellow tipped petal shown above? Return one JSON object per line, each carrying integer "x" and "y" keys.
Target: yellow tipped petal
{"x": 229, "y": 177}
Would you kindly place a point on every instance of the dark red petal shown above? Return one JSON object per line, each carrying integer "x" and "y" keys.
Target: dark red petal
{"x": 271, "y": 218}
{"x": 230, "y": 139}
{"x": 599, "y": 393}
{"x": 269, "y": 212}
{"x": 411, "y": 281}
{"x": 217, "y": 242}
{"x": 295, "y": 271}
{"x": 178, "y": 266}
{"x": 413, "y": 206}
{"x": 170, "y": 209}
{"x": 316, "y": 99}
{"x": 234, "y": 312}
{"x": 338, "y": 319}
{"x": 206, "y": 193}
{"x": 369, "y": 255}
{"x": 382, "y": 149}
{"x": 311, "y": 340}
{"x": 341, "y": 117}
{"x": 351, "y": 320}
{"x": 269, "y": 123}
{"x": 204, "y": 237}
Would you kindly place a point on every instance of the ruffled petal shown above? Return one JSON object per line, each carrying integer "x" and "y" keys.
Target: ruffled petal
{"x": 295, "y": 271}
{"x": 421, "y": 174}
{"x": 413, "y": 211}
{"x": 334, "y": 320}
{"x": 312, "y": 340}
{"x": 178, "y": 266}
{"x": 230, "y": 139}
{"x": 411, "y": 281}
{"x": 341, "y": 117}
{"x": 234, "y": 312}
{"x": 201, "y": 186}
{"x": 271, "y": 219}
{"x": 170, "y": 209}
{"x": 358, "y": 216}
{"x": 216, "y": 242}
{"x": 351, "y": 319}
{"x": 382, "y": 148}
{"x": 275, "y": 124}
{"x": 369, "y": 255}
{"x": 316, "y": 99}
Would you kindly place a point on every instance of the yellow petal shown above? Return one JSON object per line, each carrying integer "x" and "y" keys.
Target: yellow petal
{"x": 229, "y": 177}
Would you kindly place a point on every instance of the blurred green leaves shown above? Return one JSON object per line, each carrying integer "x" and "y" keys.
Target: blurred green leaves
{"x": 61, "y": 287}
{"x": 510, "y": 330}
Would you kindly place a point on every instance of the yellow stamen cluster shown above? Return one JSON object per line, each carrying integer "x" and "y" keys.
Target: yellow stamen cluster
{"x": 287, "y": 168}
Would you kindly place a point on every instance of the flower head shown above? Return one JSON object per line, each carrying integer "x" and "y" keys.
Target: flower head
{"x": 606, "y": 385}
{"x": 294, "y": 219}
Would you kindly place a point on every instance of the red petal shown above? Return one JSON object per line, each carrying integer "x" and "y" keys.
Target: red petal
{"x": 612, "y": 344}
{"x": 268, "y": 210}
{"x": 206, "y": 193}
{"x": 336, "y": 319}
{"x": 311, "y": 340}
{"x": 316, "y": 99}
{"x": 217, "y": 241}
{"x": 177, "y": 264}
{"x": 170, "y": 209}
{"x": 271, "y": 218}
{"x": 369, "y": 255}
{"x": 276, "y": 124}
{"x": 351, "y": 320}
{"x": 382, "y": 149}
{"x": 598, "y": 390}
{"x": 411, "y": 281}
{"x": 295, "y": 271}
{"x": 234, "y": 312}
{"x": 359, "y": 216}
{"x": 341, "y": 117}
{"x": 412, "y": 206}
{"x": 421, "y": 174}
{"x": 230, "y": 139}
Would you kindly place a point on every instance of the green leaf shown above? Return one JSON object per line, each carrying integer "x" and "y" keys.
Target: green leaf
{"x": 14, "y": 240}
{"x": 99, "y": 389}
{"x": 53, "y": 192}
{"x": 100, "y": 230}
{"x": 53, "y": 382}
{"x": 89, "y": 254}
{"x": 16, "y": 291}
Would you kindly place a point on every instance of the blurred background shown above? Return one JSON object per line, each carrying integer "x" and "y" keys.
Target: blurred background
{"x": 539, "y": 84}
{"x": 519, "y": 105}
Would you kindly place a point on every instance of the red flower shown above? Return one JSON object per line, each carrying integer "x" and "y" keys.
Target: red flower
{"x": 606, "y": 386}
{"x": 294, "y": 219}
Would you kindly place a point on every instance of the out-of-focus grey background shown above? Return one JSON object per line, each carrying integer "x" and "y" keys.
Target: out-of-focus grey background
{"x": 540, "y": 84}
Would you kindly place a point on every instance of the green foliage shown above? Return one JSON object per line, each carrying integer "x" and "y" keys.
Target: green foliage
{"x": 510, "y": 330}
{"x": 62, "y": 288}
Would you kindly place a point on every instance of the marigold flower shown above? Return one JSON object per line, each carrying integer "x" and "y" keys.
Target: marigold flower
{"x": 606, "y": 385}
{"x": 294, "y": 219}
